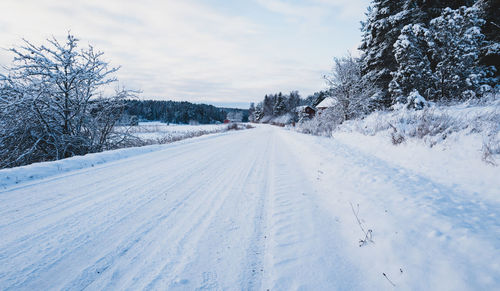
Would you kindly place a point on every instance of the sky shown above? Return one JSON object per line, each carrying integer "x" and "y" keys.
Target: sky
{"x": 224, "y": 52}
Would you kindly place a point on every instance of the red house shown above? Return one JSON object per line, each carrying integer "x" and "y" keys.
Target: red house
{"x": 305, "y": 112}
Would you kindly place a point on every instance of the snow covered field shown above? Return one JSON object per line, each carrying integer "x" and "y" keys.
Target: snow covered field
{"x": 258, "y": 209}
{"x": 155, "y": 130}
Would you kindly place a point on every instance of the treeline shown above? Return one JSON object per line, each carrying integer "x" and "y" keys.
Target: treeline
{"x": 174, "y": 111}
{"x": 275, "y": 106}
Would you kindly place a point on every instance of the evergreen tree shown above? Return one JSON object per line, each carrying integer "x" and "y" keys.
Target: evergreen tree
{"x": 279, "y": 107}
{"x": 293, "y": 101}
{"x": 489, "y": 10}
{"x": 276, "y": 105}
{"x": 251, "y": 111}
{"x": 380, "y": 31}
{"x": 259, "y": 112}
{"x": 268, "y": 105}
{"x": 414, "y": 67}
{"x": 455, "y": 41}
{"x": 174, "y": 112}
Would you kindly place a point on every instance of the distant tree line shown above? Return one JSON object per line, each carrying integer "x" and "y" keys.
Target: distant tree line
{"x": 275, "y": 105}
{"x": 177, "y": 112}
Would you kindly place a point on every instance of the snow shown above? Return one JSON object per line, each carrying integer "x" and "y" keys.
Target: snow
{"x": 464, "y": 128}
{"x": 34, "y": 172}
{"x": 455, "y": 163}
{"x": 154, "y": 130}
{"x": 283, "y": 119}
{"x": 259, "y": 209}
{"x": 417, "y": 100}
{"x": 327, "y": 102}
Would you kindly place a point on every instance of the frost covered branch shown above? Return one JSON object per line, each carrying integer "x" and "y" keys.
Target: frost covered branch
{"x": 52, "y": 103}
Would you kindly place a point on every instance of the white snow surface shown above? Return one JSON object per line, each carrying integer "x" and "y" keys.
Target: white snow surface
{"x": 34, "y": 172}
{"x": 327, "y": 102}
{"x": 158, "y": 130}
{"x": 258, "y": 209}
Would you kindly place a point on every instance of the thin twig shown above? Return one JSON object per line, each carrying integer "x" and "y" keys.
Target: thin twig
{"x": 368, "y": 234}
{"x": 394, "y": 285}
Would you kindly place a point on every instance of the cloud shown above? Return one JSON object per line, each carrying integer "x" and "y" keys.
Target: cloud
{"x": 290, "y": 9}
{"x": 347, "y": 8}
{"x": 186, "y": 49}
{"x": 317, "y": 9}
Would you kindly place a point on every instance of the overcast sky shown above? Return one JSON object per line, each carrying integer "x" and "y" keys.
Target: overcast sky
{"x": 199, "y": 50}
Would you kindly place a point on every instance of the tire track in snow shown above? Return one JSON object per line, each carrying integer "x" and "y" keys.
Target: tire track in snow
{"x": 234, "y": 212}
{"x": 252, "y": 278}
{"x": 140, "y": 162}
{"x": 303, "y": 249}
{"x": 80, "y": 241}
{"x": 86, "y": 238}
{"x": 209, "y": 237}
{"x": 179, "y": 246}
{"x": 200, "y": 204}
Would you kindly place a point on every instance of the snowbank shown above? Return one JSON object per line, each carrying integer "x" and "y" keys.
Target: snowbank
{"x": 468, "y": 128}
{"x": 282, "y": 119}
{"x": 433, "y": 214}
{"x": 13, "y": 176}
{"x": 455, "y": 163}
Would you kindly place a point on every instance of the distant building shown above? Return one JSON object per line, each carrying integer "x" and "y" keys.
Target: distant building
{"x": 305, "y": 112}
{"x": 326, "y": 103}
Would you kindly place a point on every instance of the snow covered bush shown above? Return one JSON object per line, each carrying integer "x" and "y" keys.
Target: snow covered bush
{"x": 351, "y": 92}
{"x": 428, "y": 124}
{"x": 491, "y": 147}
{"x": 489, "y": 122}
{"x": 324, "y": 123}
{"x": 417, "y": 101}
{"x": 477, "y": 121}
{"x": 52, "y": 104}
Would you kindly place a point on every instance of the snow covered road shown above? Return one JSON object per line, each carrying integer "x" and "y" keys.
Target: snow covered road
{"x": 252, "y": 210}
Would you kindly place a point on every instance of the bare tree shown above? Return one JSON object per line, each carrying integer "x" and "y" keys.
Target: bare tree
{"x": 52, "y": 104}
{"x": 352, "y": 93}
